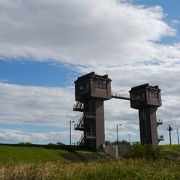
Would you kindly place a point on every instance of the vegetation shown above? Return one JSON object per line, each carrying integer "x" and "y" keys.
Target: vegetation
{"x": 145, "y": 152}
{"x": 10, "y": 154}
{"x": 126, "y": 169}
{"x": 169, "y": 148}
{"x": 124, "y": 142}
{"x": 170, "y": 152}
{"x": 43, "y": 163}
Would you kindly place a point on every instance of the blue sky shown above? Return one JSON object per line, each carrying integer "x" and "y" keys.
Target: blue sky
{"x": 171, "y": 9}
{"x": 30, "y": 72}
{"x": 171, "y": 13}
{"x": 45, "y": 50}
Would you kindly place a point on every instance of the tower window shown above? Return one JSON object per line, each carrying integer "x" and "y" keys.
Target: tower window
{"x": 81, "y": 87}
{"x": 84, "y": 87}
{"x": 153, "y": 94}
{"x": 101, "y": 85}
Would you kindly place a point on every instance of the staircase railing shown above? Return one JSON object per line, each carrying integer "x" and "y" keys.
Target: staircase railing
{"x": 81, "y": 141}
{"x": 79, "y": 106}
{"x": 161, "y": 138}
{"x": 80, "y": 124}
{"x": 159, "y": 122}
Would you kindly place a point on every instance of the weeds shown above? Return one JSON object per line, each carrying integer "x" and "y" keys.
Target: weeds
{"x": 143, "y": 151}
{"x": 124, "y": 169}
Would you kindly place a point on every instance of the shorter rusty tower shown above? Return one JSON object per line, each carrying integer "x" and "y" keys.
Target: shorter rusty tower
{"x": 91, "y": 90}
{"x": 147, "y": 99}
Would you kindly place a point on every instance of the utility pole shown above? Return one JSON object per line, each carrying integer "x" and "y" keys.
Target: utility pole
{"x": 178, "y": 135}
{"x": 129, "y": 139}
{"x": 170, "y": 129}
{"x": 117, "y": 132}
{"x": 70, "y": 132}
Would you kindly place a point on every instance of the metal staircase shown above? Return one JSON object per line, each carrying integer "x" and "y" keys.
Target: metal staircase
{"x": 86, "y": 116}
{"x": 81, "y": 141}
{"x": 79, "y": 106}
{"x": 80, "y": 124}
{"x": 161, "y": 138}
{"x": 159, "y": 122}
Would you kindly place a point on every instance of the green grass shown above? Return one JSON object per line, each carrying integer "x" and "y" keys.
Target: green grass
{"x": 174, "y": 147}
{"x": 17, "y": 154}
{"x": 10, "y": 154}
{"x": 129, "y": 169}
{"x": 171, "y": 151}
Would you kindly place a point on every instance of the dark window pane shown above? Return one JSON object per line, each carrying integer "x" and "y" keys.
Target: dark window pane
{"x": 101, "y": 85}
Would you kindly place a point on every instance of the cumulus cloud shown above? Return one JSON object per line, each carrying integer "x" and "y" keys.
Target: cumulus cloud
{"x": 84, "y": 32}
{"x": 38, "y": 105}
{"x": 16, "y": 136}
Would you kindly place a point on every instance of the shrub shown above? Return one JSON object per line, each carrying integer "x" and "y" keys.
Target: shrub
{"x": 143, "y": 151}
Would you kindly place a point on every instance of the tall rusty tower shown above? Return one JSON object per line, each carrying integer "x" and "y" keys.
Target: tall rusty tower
{"x": 147, "y": 99}
{"x": 91, "y": 90}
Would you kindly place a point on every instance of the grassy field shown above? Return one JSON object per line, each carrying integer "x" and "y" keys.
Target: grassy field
{"x": 42, "y": 163}
{"x": 10, "y": 154}
{"x": 174, "y": 148}
{"x": 171, "y": 151}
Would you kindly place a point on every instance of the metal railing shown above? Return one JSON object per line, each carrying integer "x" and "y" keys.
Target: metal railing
{"x": 159, "y": 122}
{"x": 126, "y": 96}
{"x": 80, "y": 124}
{"x": 79, "y": 106}
{"x": 161, "y": 138}
{"x": 120, "y": 96}
{"x": 81, "y": 141}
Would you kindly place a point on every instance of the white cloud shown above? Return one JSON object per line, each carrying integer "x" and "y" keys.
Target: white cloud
{"x": 16, "y": 136}
{"x": 175, "y": 22}
{"x": 84, "y": 32}
{"x": 38, "y": 105}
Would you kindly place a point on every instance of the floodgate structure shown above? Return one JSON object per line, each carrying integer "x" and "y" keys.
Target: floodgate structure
{"x": 91, "y": 90}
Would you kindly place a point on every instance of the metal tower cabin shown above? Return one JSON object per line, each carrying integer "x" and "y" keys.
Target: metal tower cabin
{"x": 91, "y": 90}
{"x": 147, "y": 99}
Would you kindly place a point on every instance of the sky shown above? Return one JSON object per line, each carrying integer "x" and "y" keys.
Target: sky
{"x": 46, "y": 45}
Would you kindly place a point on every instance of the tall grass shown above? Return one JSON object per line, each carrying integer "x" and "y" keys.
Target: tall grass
{"x": 32, "y": 171}
{"x": 129, "y": 169}
{"x": 125, "y": 169}
{"x": 144, "y": 151}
